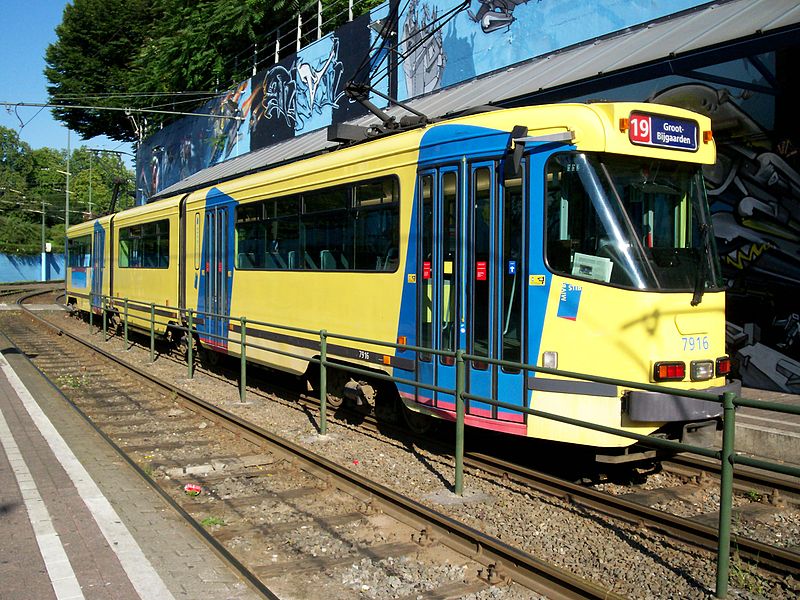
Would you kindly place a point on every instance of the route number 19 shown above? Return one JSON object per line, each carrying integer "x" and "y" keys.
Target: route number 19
{"x": 639, "y": 129}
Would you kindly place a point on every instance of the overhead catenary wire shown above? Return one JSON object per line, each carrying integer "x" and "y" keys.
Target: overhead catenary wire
{"x": 64, "y": 97}
{"x": 379, "y": 71}
{"x": 117, "y": 108}
{"x": 445, "y": 18}
{"x": 392, "y": 26}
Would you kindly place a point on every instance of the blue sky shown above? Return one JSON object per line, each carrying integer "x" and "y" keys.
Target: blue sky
{"x": 28, "y": 28}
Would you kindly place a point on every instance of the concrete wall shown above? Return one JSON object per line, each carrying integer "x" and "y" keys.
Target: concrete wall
{"x": 14, "y": 268}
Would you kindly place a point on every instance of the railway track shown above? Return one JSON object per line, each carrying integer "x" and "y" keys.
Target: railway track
{"x": 244, "y": 472}
{"x": 633, "y": 505}
{"x": 763, "y": 494}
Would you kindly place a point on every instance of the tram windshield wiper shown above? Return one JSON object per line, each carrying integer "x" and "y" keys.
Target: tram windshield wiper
{"x": 702, "y": 266}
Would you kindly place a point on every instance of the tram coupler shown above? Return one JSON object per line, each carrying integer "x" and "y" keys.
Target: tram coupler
{"x": 359, "y": 392}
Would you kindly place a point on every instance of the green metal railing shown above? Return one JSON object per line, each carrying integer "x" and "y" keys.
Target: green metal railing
{"x": 729, "y": 401}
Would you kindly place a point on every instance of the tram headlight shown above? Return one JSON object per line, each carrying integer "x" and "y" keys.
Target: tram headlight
{"x": 550, "y": 360}
{"x": 701, "y": 370}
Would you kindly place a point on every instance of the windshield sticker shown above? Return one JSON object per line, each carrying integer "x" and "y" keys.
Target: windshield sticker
{"x": 569, "y": 301}
{"x": 664, "y": 132}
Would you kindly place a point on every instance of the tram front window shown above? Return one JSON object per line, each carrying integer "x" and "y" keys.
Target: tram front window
{"x": 628, "y": 221}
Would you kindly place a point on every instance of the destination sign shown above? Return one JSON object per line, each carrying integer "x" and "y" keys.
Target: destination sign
{"x": 663, "y": 132}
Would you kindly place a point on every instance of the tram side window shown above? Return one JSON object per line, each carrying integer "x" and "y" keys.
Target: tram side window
{"x": 250, "y": 236}
{"x": 377, "y": 226}
{"x": 325, "y": 230}
{"x": 267, "y": 234}
{"x": 344, "y": 228}
{"x": 144, "y": 246}
{"x": 80, "y": 252}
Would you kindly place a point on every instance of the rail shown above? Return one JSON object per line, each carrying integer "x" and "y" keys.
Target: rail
{"x": 729, "y": 400}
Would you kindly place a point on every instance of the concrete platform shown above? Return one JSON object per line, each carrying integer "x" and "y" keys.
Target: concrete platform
{"x": 34, "y": 307}
{"x": 768, "y": 434}
{"x": 75, "y": 520}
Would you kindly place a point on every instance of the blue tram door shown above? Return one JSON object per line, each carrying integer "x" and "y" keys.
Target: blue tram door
{"x": 494, "y": 289}
{"x": 216, "y": 277}
{"x": 437, "y": 281}
{"x": 98, "y": 248}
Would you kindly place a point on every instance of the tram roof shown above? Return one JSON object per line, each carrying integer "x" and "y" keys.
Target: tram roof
{"x": 716, "y": 32}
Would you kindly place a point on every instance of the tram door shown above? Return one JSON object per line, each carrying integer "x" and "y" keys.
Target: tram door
{"x": 437, "y": 273}
{"x": 494, "y": 289}
{"x": 98, "y": 248}
{"x": 216, "y": 276}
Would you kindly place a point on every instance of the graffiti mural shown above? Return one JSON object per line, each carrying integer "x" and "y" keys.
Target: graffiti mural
{"x": 319, "y": 86}
{"x": 495, "y": 14}
{"x": 438, "y": 44}
{"x": 754, "y": 193}
{"x": 302, "y": 93}
{"x": 228, "y": 132}
{"x": 442, "y": 46}
{"x": 273, "y": 116}
{"x": 279, "y": 96}
{"x": 422, "y": 49}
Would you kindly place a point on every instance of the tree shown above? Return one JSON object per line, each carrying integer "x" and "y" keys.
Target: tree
{"x": 109, "y": 50}
{"x": 121, "y": 53}
{"x": 34, "y": 179}
{"x": 15, "y": 163}
{"x": 18, "y": 234}
{"x": 89, "y": 63}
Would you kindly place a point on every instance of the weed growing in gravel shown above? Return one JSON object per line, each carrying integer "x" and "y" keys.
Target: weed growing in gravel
{"x": 745, "y": 577}
{"x": 72, "y": 381}
{"x": 754, "y": 496}
{"x": 209, "y": 521}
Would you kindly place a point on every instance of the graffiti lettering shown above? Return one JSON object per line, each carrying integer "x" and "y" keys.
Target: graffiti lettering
{"x": 318, "y": 88}
{"x": 279, "y": 95}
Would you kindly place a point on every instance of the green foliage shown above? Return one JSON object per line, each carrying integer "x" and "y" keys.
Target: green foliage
{"x": 17, "y": 235}
{"x": 116, "y": 48}
{"x": 97, "y": 39}
{"x": 746, "y": 577}
{"x": 32, "y": 181}
{"x": 108, "y": 50}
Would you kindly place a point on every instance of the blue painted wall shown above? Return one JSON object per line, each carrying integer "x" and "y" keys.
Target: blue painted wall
{"x": 15, "y": 268}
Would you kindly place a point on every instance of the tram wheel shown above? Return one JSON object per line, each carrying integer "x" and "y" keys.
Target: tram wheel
{"x": 336, "y": 381}
{"x": 183, "y": 347}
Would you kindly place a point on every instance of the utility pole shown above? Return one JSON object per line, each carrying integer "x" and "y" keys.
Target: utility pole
{"x": 90, "y": 183}
{"x": 66, "y": 205}
{"x": 44, "y": 252}
{"x": 66, "y": 214}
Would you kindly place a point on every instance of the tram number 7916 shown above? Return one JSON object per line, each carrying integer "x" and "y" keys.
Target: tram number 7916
{"x": 695, "y": 342}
